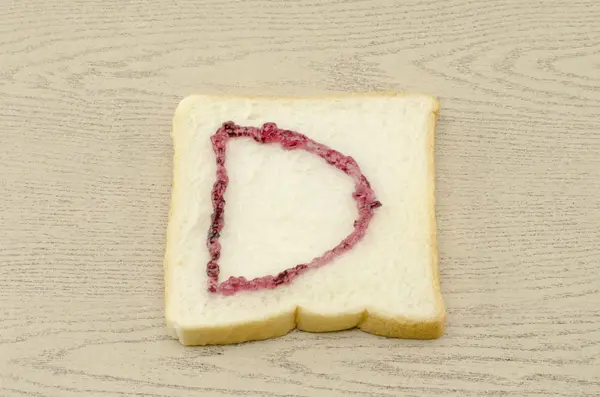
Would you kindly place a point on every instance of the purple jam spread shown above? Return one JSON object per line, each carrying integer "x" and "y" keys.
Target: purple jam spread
{"x": 289, "y": 140}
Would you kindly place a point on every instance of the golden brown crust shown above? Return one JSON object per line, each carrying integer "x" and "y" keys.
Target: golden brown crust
{"x": 300, "y": 318}
{"x": 314, "y": 322}
{"x": 185, "y": 102}
{"x": 267, "y": 328}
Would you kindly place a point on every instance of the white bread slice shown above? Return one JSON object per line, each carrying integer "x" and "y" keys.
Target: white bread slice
{"x": 288, "y": 207}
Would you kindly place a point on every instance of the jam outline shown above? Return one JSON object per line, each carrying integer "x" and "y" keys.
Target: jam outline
{"x": 289, "y": 140}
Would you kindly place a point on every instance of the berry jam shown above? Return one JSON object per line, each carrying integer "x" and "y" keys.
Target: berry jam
{"x": 289, "y": 140}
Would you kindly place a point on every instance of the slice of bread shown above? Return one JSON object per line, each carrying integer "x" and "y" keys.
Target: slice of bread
{"x": 348, "y": 196}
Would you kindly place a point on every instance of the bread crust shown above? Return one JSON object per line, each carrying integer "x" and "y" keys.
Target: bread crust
{"x": 300, "y": 318}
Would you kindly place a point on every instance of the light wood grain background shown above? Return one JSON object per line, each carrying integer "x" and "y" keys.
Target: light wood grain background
{"x": 87, "y": 91}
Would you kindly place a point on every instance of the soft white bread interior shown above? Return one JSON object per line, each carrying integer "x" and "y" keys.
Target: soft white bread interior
{"x": 287, "y": 207}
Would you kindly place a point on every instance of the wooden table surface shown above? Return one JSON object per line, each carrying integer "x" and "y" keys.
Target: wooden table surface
{"x": 87, "y": 92}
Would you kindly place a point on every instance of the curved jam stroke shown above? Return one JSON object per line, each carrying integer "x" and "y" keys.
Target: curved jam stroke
{"x": 289, "y": 140}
